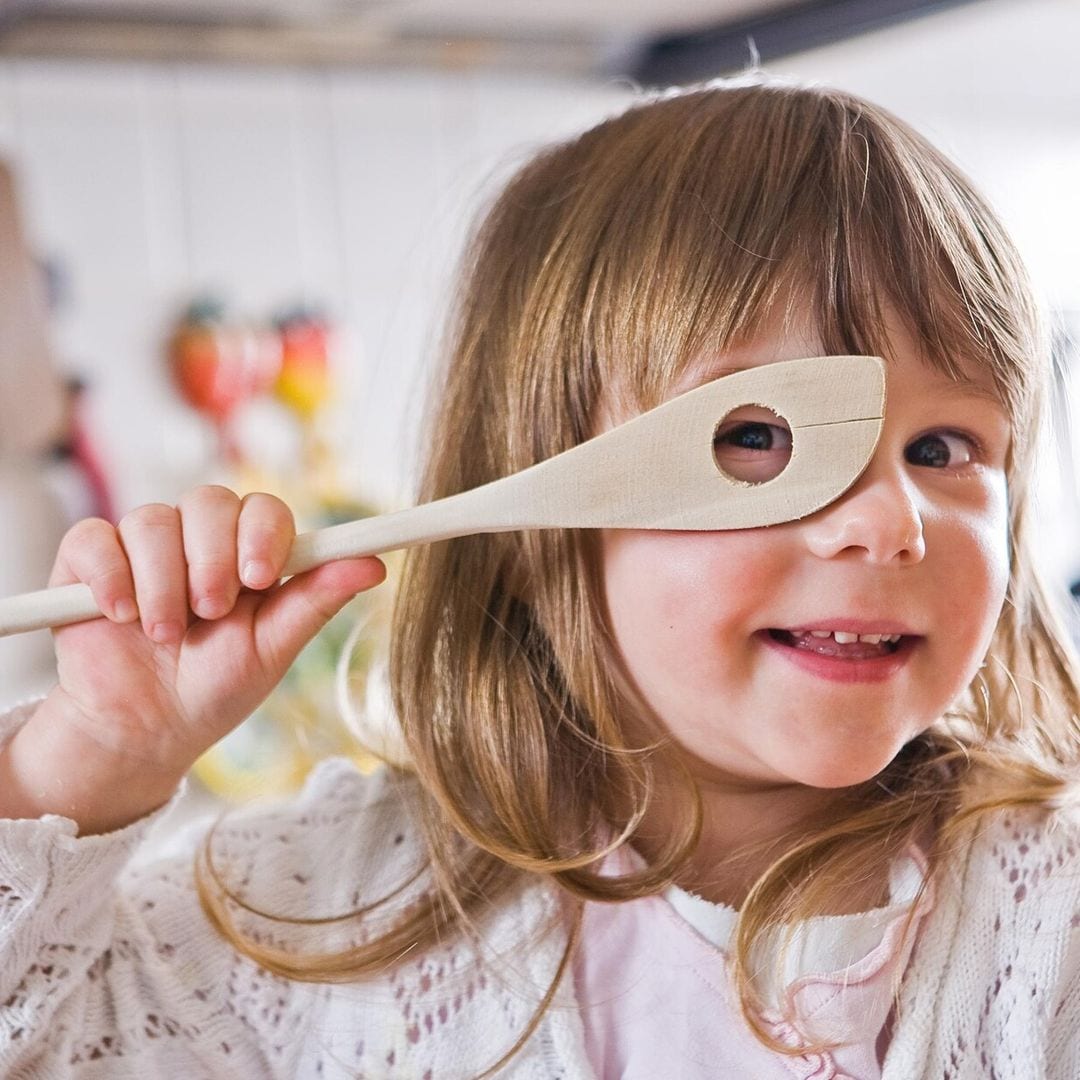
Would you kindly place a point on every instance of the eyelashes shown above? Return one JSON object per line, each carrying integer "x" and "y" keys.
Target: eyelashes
{"x": 932, "y": 449}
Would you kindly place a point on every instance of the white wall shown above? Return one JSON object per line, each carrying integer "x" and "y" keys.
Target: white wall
{"x": 352, "y": 190}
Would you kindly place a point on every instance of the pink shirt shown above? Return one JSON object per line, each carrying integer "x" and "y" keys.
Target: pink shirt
{"x": 657, "y": 1000}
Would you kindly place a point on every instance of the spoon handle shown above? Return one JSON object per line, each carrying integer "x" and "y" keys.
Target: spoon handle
{"x": 47, "y": 607}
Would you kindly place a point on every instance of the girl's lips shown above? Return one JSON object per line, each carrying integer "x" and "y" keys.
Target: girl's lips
{"x": 843, "y": 669}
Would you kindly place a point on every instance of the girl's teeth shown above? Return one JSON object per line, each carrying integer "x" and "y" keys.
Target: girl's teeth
{"x": 844, "y": 638}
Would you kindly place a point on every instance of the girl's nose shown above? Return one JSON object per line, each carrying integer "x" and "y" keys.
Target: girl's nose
{"x": 877, "y": 520}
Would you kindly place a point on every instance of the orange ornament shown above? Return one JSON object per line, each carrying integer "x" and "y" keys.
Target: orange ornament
{"x": 217, "y": 366}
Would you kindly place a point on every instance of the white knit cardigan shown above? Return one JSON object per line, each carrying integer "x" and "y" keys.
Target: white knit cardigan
{"x": 109, "y": 969}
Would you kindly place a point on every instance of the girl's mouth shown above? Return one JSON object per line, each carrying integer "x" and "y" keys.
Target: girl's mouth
{"x": 840, "y": 656}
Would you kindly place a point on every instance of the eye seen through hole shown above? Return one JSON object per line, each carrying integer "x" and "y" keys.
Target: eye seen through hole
{"x": 752, "y": 444}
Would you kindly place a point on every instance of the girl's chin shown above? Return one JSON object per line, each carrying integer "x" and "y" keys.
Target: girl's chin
{"x": 828, "y": 765}
{"x": 842, "y": 767}
{"x": 824, "y": 771}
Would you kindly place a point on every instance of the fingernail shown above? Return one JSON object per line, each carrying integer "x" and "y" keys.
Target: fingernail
{"x": 257, "y": 574}
{"x": 125, "y": 610}
{"x": 166, "y": 632}
{"x": 209, "y": 607}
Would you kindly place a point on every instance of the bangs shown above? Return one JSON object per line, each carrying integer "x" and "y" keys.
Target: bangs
{"x": 715, "y": 214}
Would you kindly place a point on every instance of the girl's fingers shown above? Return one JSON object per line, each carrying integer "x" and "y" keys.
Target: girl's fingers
{"x": 91, "y": 552}
{"x": 292, "y": 615}
{"x": 152, "y": 539}
{"x": 208, "y": 517}
{"x": 264, "y": 536}
{"x": 161, "y": 563}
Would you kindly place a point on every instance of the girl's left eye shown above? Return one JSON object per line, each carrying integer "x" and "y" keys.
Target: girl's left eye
{"x": 942, "y": 450}
{"x": 753, "y": 451}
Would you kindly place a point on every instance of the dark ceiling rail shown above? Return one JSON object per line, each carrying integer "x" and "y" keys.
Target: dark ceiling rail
{"x": 703, "y": 54}
{"x": 13, "y": 11}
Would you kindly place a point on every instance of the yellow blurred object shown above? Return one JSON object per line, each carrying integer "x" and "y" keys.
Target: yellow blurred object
{"x": 304, "y": 389}
{"x": 303, "y": 380}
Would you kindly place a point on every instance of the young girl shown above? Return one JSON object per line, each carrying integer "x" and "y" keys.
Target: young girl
{"x": 773, "y": 802}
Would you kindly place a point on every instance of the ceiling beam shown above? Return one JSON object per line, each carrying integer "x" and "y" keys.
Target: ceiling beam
{"x": 691, "y": 57}
{"x": 326, "y": 43}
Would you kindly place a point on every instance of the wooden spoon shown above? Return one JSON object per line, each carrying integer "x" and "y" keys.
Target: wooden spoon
{"x": 656, "y": 471}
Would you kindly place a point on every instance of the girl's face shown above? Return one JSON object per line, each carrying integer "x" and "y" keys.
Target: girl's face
{"x": 723, "y": 634}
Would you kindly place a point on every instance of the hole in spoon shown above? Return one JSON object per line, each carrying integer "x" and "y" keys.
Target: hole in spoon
{"x": 752, "y": 444}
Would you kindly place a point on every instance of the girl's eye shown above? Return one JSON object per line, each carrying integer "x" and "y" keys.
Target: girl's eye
{"x": 941, "y": 450}
{"x": 753, "y": 451}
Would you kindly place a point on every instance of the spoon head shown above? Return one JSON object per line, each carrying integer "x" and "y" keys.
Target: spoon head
{"x": 659, "y": 471}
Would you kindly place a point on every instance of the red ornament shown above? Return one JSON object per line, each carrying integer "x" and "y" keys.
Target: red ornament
{"x": 218, "y": 367}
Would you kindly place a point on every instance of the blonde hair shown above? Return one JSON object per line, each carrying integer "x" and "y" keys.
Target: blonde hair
{"x": 610, "y": 261}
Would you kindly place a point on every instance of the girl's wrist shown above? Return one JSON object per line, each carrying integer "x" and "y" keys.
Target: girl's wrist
{"x": 50, "y": 767}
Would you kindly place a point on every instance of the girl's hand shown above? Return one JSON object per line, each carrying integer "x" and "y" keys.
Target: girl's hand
{"x": 197, "y": 633}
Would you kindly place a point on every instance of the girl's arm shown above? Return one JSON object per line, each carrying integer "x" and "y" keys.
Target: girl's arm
{"x": 76, "y": 962}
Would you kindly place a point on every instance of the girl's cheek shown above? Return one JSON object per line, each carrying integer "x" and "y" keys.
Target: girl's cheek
{"x": 993, "y": 534}
{"x": 712, "y": 570}
{"x": 973, "y": 563}
{"x": 682, "y": 582}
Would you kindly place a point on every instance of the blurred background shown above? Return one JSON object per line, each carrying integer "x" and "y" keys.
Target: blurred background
{"x": 227, "y": 231}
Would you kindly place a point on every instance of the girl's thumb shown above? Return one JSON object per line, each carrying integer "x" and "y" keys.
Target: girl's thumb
{"x": 293, "y": 614}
